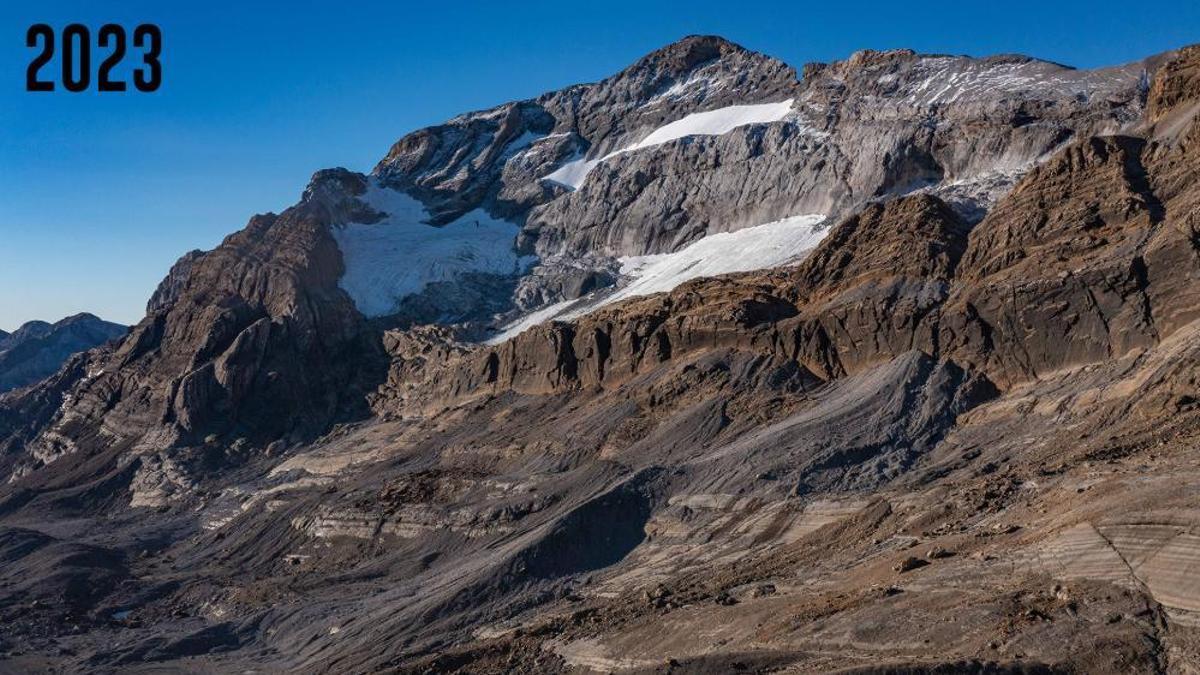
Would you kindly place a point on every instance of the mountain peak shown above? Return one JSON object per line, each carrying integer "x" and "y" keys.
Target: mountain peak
{"x": 81, "y": 317}
{"x": 34, "y": 325}
{"x": 39, "y": 328}
{"x": 38, "y": 348}
{"x": 691, "y": 52}
{"x": 688, "y": 52}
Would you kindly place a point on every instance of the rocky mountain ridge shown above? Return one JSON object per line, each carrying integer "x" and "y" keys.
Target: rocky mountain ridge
{"x": 292, "y": 270}
{"x": 956, "y": 436}
{"x": 36, "y": 349}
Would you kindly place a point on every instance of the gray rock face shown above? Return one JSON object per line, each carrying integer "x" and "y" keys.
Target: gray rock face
{"x": 37, "y": 349}
{"x": 695, "y": 74}
{"x": 879, "y": 124}
{"x": 496, "y": 157}
{"x": 29, "y": 330}
{"x": 876, "y": 125}
{"x": 169, "y": 289}
{"x": 457, "y": 166}
{"x": 737, "y": 475}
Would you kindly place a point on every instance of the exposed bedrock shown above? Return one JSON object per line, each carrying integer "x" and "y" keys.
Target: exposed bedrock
{"x": 938, "y": 443}
{"x": 251, "y": 339}
{"x": 472, "y": 160}
{"x": 256, "y": 339}
{"x": 877, "y": 125}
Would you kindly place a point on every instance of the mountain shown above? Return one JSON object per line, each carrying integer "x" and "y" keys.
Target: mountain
{"x": 888, "y": 365}
{"x": 37, "y": 349}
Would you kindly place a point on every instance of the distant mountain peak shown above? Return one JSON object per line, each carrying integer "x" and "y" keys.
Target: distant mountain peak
{"x": 81, "y": 317}
{"x": 38, "y": 348}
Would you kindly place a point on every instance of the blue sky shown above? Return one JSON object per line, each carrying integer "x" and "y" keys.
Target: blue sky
{"x": 100, "y": 193}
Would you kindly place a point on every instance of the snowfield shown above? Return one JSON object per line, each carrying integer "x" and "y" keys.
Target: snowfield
{"x": 709, "y": 123}
{"x": 753, "y": 248}
{"x": 402, "y": 254}
{"x": 760, "y": 247}
{"x": 571, "y": 174}
{"x": 715, "y": 122}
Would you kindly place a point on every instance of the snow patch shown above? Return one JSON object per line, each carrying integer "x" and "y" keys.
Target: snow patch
{"x": 401, "y": 254}
{"x": 696, "y": 84}
{"x": 522, "y": 142}
{"x": 760, "y": 247}
{"x": 709, "y": 123}
{"x": 571, "y": 174}
{"x": 560, "y": 311}
{"x": 715, "y": 122}
{"x": 769, "y": 245}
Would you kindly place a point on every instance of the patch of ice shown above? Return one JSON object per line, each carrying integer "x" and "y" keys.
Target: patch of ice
{"x": 701, "y": 83}
{"x": 571, "y": 174}
{"x": 760, "y": 247}
{"x": 401, "y": 254}
{"x": 709, "y": 123}
{"x": 561, "y": 311}
{"x": 522, "y": 142}
{"x": 715, "y": 122}
{"x": 752, "y": 248}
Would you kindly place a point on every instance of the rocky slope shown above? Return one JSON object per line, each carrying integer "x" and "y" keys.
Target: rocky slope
{"x": 958, "y": 435}
{"x": 37, "y": 349}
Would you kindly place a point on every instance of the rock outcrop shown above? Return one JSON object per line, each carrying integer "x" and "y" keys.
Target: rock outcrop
{"x": 253, "y": 339}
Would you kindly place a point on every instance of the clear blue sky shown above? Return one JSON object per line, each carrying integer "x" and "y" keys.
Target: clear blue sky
{"x": 100, "y": 193}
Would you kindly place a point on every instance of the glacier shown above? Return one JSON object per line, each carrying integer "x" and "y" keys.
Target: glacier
{"x": 709, "y": 123}
{"x": 772, "y": 244}
{"x": 401, "y": 254}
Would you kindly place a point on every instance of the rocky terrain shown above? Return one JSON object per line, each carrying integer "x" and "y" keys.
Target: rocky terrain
{"x": 37, "y": 349}
{"x": 888, "y": 365}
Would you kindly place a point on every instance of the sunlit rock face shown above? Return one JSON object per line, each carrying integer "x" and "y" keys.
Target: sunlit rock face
{"x": 707, "y": 366}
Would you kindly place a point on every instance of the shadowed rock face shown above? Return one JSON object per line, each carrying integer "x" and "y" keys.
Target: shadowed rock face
{"x": 251, "y": 339}
{"x": 945, "y": 441}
